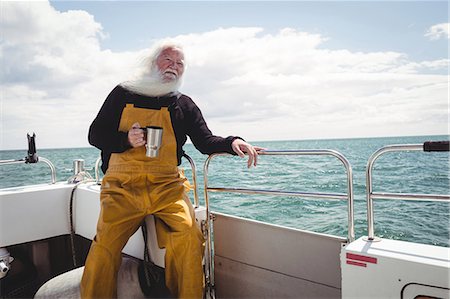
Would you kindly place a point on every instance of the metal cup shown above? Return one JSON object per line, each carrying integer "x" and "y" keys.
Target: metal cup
{"x": 154, "y": 139}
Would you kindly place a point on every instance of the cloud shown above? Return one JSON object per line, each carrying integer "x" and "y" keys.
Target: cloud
{"x": 289, "y": 85}
{"x": 438, "y": 31}
{"x": 261, "y": 86}
{"x": 54, "y": 75}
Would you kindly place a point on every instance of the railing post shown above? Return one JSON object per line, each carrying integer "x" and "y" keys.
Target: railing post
{"x": 97, "y": 170}
{"x": 428, "y": 146}
{"x": 209, "y": 276}
{"x": 194, "y": 179}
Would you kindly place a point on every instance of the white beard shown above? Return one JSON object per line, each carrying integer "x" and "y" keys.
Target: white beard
{"x": 152, "y": 85}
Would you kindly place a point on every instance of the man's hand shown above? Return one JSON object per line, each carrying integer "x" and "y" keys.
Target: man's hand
{"x": 240, "y": 147}
{"x": 136, "y": 135}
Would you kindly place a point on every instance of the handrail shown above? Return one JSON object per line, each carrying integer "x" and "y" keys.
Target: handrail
{"x": 41, "y": 159}
{"x": 97, "y": 170}
{"x": 194, "y": 179}
{"x": 370, "y": 195}
{"x": 194, "y": 176}
{"x": 209, "y": 225}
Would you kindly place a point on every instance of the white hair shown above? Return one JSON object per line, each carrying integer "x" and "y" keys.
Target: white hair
{"x": 148, "y": 80}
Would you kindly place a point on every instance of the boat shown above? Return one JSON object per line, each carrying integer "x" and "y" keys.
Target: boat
{"x": 46, "y": 230}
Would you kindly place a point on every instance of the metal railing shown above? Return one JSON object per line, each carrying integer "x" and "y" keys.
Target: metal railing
{"x": 370, "y": 195}
{"x": 209, "y": 275}
{"x": 194, "y": 180}
{"x": 97, "y": 170}
{"x": 41, "y": 159}
{"x": 194, "y": 176}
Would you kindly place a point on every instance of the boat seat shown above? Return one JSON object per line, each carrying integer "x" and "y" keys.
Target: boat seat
{"x": 157, "y": 254}
{"x": 86, "y": 211}
{"x": 67, "y": 285}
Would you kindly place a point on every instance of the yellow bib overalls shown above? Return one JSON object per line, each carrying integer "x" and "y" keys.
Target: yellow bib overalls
{"x": 135, "y": 186}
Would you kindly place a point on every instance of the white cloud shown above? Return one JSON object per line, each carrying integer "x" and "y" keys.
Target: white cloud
{"x": 54, "y": 74}
{"x": 290, "y": 86}
{"x": 260, "y": 86}
{"x": 438, "y": 31}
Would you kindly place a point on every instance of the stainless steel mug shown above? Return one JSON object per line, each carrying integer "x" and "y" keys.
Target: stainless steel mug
{"x": 154, "y": 139}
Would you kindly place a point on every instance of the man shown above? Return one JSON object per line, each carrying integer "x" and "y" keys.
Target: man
{"x": 136, "y": 185}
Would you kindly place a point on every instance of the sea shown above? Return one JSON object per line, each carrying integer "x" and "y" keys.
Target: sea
{"x": 400, "y": 172}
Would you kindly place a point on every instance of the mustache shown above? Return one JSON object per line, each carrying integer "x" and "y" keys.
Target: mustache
{"x": 153, "y": 84}
{"x": 171, "y": 71}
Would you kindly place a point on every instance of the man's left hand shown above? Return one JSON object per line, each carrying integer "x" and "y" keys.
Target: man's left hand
{"x": 240, "y": 147}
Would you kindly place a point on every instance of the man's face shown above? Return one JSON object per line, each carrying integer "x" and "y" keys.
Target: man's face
{"x": 170, "y": 64}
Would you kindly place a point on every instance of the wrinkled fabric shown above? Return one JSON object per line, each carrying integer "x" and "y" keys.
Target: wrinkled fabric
{"x": 134, "y": 187}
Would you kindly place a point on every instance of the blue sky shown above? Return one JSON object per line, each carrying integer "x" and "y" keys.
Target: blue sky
{"x": 328, "y": 69}
{"x": 354, "y": 25}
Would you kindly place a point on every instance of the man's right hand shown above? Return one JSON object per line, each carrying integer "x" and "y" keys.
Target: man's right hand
{"x": 136, "y": 135}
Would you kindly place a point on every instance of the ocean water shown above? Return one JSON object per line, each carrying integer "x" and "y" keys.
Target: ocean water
{"x": 404, "y": 172}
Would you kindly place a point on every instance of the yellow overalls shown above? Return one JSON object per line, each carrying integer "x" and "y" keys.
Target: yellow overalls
{"x": 135, "y": 186}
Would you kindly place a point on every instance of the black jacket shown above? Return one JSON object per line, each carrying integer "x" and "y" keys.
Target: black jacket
{"x": 186, "y": 117}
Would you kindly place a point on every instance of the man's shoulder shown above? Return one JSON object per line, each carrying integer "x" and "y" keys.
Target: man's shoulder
{"x": 186, "y": 102}
{"x": 185, "y": 98}
{"x": 118, "y": 92}
{"x": 121, "y": 89}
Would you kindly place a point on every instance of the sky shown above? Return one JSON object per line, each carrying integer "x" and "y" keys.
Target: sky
{"x": 266, "y": 70}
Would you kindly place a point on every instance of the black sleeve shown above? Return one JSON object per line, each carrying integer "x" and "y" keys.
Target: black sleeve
{"x": 201, "y": 136}
{"x": 104, "y": 131}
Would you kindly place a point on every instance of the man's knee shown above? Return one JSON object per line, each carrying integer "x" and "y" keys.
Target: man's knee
{"x": 100, "y": 254}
